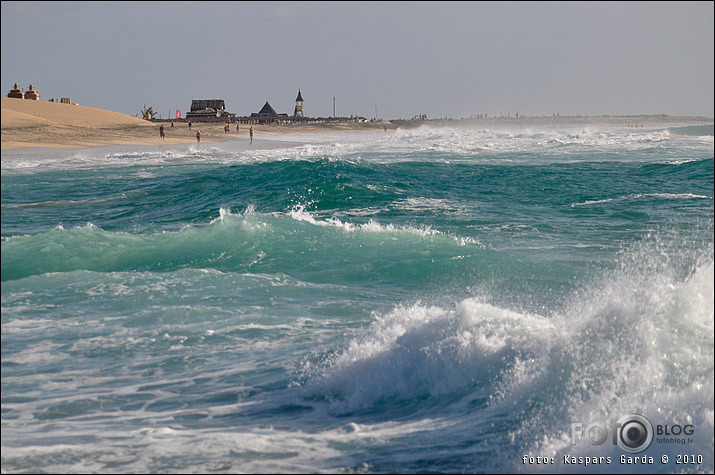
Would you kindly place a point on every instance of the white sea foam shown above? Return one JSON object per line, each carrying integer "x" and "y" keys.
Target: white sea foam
{"x": 300, "y": 214}
{"x": 639, "y": 342}
{"x": 460, "y": 143}
{"x": 637, "y": 196}
{"x": 433, "y": 205}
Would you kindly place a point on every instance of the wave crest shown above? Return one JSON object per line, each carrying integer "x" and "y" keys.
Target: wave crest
{"x": 640, "y": 341}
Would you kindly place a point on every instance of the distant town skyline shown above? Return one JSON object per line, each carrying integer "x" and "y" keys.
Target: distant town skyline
{"x": 385, "y": 59}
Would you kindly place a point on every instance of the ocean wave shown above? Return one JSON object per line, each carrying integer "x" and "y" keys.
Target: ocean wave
{"x": 455, "y": 143}
{"x": 639, "y": 341}
{"x": 465, "y": 141}
{"x": 693, "y": 130}
{"x": 300, "y": 214}
{"x": 250, "y": 241}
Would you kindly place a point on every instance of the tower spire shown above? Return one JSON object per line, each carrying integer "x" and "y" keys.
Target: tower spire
{"x": 298, "y": 112}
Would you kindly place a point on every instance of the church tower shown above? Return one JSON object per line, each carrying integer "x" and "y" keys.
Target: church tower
{"x": 298, "y": 112}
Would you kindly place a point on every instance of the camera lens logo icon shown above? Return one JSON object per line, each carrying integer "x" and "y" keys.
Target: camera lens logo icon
{"x": 635, "y": 433}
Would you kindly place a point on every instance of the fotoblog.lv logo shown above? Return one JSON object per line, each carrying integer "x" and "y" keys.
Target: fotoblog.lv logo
{"x": 633, "y": 433}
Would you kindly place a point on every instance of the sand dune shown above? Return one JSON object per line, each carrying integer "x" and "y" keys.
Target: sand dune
{"x": 52, "y": 124}
{"x": 41, "y": 113}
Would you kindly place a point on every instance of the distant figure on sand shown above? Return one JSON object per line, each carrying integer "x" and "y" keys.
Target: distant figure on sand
{"x": 236, "y": 127}
{"x": 161, "y": 131}
{"x": 172, "y": 123}
{"x": 198, "y": 136}
{"x": 250, "y": 133}
{"x": 189, "y": 125}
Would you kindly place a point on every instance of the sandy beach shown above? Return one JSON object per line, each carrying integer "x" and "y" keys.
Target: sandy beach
{"x": 29, "y": 124}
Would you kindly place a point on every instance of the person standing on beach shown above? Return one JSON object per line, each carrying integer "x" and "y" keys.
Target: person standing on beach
{"x": 161, "y": 131}
{"x": 189, "y": 125}
{"x": 198, "y": 137}
{"x": 236, "y": 127}
{"x": 250, "y": 133}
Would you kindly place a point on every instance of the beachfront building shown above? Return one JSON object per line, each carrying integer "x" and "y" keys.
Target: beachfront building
{"x": 209, "y": 110}
{"x": 298, "y": 112}
{"x": 268, "y": 115}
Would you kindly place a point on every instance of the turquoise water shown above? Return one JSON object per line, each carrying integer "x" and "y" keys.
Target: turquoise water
{"x": 425, "y": 300}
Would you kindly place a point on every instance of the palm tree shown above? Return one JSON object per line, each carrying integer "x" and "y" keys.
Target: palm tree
{"x": 147, "y": 113}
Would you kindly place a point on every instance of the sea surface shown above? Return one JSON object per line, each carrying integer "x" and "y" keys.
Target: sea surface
{"x": 433, "y": 299}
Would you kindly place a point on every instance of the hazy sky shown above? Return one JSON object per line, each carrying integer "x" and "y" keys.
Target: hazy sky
{"x": 401, "y": 58}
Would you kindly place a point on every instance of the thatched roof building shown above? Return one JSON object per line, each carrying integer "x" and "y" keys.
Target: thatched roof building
{"x": 208, "y": 110}
{"x": 268, "y": 114}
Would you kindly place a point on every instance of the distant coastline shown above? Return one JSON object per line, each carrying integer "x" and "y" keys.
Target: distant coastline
{"x": 634, "y": 121}
{"x": 42, "y": 124}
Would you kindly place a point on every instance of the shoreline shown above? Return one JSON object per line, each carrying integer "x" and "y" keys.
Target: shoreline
{"x": 30, "y": 124}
